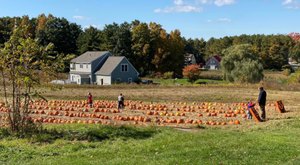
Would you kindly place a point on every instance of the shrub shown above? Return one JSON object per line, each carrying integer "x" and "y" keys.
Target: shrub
{"x": 191, "y": 72}
{"x": 294, "y": 78}
{"x": 168, "y": 75}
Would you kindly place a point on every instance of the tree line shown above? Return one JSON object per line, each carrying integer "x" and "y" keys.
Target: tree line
{"x": 148, "y": 46}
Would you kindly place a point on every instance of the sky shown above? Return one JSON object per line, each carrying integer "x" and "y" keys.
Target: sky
{"x": 194, "y": 18}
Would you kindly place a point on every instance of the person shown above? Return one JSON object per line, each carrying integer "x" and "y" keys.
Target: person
{"x": 120, "y": 101}
{"x": 90, "y": 99}
{"x": 262, "y": 98}
{"x": 249, "y": 106}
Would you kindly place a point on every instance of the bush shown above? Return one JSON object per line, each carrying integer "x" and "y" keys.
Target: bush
{"x": 294, "y": 78}
{"x": 168, "y": 75}
{"x": 286, "y": 72}
{"x": 191, "y": 72}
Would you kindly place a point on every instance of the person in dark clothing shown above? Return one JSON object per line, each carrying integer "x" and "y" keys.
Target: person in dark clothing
{"x": 120, "y": 102}
{"x": 90, "y": 99}
{"x": 262, "y": 98}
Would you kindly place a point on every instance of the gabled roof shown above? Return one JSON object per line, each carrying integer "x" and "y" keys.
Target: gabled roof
{"x": 89, "y": 56}
{"x": 110, "y": 64}
{"x": 217, "y": 57}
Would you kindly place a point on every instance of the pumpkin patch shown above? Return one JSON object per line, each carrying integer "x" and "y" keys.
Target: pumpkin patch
{"x": 135, "y": 112}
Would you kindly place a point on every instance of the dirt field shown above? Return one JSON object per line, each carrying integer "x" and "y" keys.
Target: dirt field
{"x": 183, "y": 106}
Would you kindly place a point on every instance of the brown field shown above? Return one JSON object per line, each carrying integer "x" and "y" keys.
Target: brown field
{"x": 169, "y": 102}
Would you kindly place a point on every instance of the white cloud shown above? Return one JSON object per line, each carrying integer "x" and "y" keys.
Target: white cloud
{"x": 179, "y": 6}
{"x": 224, "y": 20}
{"x": 286, "y": 2}
{"x": 224, "y": 2}
{"x": 178, "y": 2}
{"x": 79, "y": 17}
{"x": 220, "y": 20}
{"x": 178, "y": 9}
{"x": 185, "y": 6}
{"x": 217, "y": 2}
{"x": 93, "y": 25}
{"x": 291, "y": 4}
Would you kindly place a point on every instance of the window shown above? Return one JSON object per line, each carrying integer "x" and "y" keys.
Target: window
{"x": 124, "y": 67}
{"x": 81, "y": 66}
{"x": 72, "y": 66}
{"x": 87, "y": 65}
{"x": 130, "y": 80}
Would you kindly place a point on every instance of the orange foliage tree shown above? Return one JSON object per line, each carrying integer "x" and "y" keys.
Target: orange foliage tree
{"x": 191, "y": 72}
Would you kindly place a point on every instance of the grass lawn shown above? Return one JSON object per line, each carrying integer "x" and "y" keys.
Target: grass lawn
{"x": 264, "y": 144}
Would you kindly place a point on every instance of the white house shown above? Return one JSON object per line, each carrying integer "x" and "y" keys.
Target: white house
{"x": 84, "y": 67}
{"x": 189, "y": 59}
{"x": 108, "y": 68}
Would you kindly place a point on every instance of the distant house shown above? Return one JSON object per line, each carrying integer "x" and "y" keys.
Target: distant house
{"x": 213, "y": 63}
{"x": 83, "y": 68}
{"x": 116, "y": 69}
{"x": 294, "y": 64}
{"x": 189, "y": 59}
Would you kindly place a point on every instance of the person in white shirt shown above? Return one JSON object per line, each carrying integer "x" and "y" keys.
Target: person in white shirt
{"x": 120, "y": 101}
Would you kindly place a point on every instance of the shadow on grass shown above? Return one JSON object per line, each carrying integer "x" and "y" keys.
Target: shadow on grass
{"x": 89, "y": 134}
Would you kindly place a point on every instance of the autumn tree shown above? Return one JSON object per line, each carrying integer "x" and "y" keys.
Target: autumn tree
{"x": 160, "y": 49}
{"x": 141, "y": 47}
{"x": 295, "y": 52}
{"x": 191, "y": 72}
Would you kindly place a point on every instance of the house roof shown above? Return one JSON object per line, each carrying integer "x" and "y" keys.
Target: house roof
{"x": 217, "y": 57}
{"x": 88, "y": 56}
{"x": 110, "y": 64}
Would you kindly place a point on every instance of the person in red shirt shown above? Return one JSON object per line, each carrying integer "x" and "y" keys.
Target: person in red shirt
{"x": 90, "y": 99}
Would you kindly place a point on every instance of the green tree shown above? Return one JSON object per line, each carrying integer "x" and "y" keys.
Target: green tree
{"x": 20, "y": 72}
{"x": 241, "y": 64}
{"x": 141, "y": 47}
{"x": 89, "y": 40}
{"x": 6, "y": 27}
{"x": 196, "y": 47}
{"x": 110, "y": 37}
{"x": 176, "y": 60}
{"x": 123, "y": 43}
{"x": 30, "y": 26}
{"x": 295, "y": 52}
{"x": 59, "y": 32}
